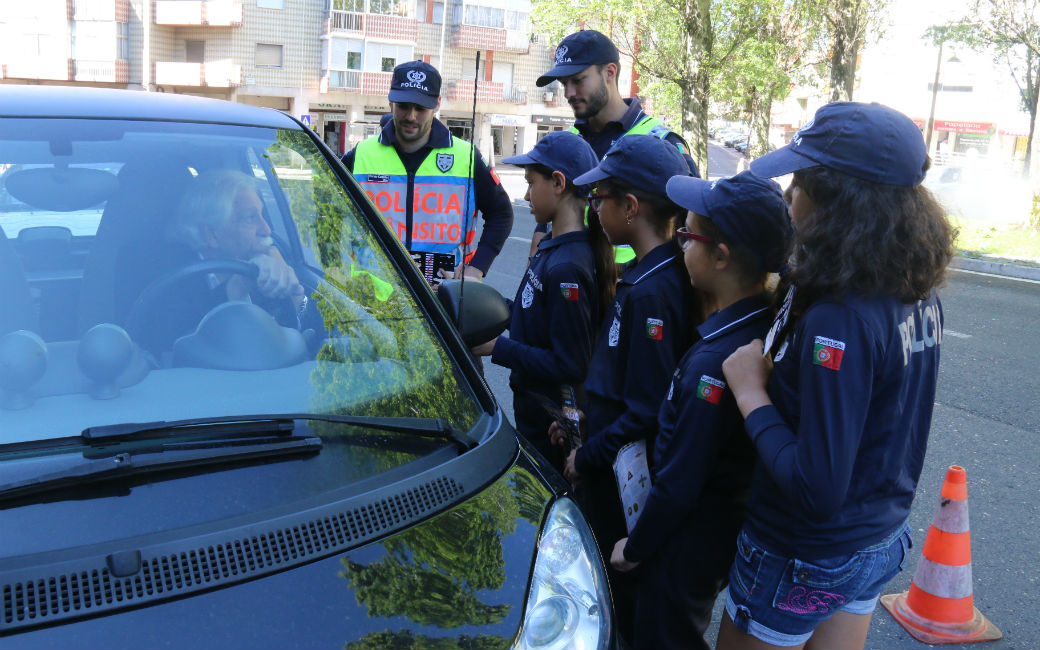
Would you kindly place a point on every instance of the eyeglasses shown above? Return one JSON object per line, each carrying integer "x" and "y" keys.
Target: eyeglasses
{"x": 686, "y": 236}
{"x": 595, "y": 200}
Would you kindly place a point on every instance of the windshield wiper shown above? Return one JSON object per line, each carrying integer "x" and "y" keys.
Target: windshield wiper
{"x": 158, "y": 455}
{"x": 424, "y": 427}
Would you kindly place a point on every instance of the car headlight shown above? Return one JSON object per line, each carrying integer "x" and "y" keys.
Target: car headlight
{"x": 569, "y": 602}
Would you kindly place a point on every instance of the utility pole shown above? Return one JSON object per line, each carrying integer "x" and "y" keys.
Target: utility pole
{"x": 931, "y": 113}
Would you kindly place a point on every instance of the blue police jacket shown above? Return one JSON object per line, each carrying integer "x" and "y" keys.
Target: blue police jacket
{"x": 843, "y": 443}
{"x": 702, "y": 458}
{"x": 552, "y": 324}
{"x": 644, "y": 333}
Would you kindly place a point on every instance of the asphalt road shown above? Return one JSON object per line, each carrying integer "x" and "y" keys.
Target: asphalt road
{"x": 987, "y": 415}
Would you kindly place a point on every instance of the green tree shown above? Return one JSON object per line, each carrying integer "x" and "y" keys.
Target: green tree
{"x": 431, "y": 573}
{"x": 849, "y": 22}
{"x": 684, "y": 46}
{"x": 408, "y": 640}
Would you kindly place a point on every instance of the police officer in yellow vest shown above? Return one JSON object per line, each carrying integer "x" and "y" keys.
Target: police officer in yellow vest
{"x": 421, "y": 179}
{"x": 587, "y": 64}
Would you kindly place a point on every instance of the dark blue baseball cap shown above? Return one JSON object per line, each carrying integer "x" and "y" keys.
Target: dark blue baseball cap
{"x": 577, "y": 52}
{"x": 749, "y": 210}
{"x": 868, "y": 141}
{"x": 561, "y": 151}
{"x": 415, "y": 82}
{"x": 645, "y": 162}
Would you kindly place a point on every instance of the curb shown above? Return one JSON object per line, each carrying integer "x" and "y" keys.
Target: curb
{"x": 996, "y": 268}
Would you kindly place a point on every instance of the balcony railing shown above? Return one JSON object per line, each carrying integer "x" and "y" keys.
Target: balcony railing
{"x": 216, "y": 13}
{"x": 487, "y": 91}
{"x": 515, "y": 95}
{"x": 116, "y": 71}
{"x": 490, "y": 38}
{"x": 349, "y": 21}
{"x": 114, "y": 10}
{"x": 219, "y": 74}
{"x": 345, "y": 79}
{"x": 52, "y": 67}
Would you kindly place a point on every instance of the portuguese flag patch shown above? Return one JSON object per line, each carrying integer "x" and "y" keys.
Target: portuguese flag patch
{"x": 654, "y": 329}
{"x": 710, "y": 389}
{"x": 828, "y": 352}
{"x": 569, "y": 291}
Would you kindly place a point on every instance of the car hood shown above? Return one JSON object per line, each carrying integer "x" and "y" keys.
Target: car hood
{"x": 459, "y": 578}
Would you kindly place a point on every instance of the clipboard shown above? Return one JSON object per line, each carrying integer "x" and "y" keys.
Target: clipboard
{"x": 633, "y": 480}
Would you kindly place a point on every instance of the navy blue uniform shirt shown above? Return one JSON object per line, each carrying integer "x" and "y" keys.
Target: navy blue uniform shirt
{"x": 492, "y": 200}
{"x": 602, "y": 141}
{"x": 645, "y": 332}
{"x": 552, "y": 325}
{"x": 843, "y": 443}
{"x": 702, "y": 457}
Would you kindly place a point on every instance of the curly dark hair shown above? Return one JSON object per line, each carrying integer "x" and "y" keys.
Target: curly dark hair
{"x": 867, "y": 238}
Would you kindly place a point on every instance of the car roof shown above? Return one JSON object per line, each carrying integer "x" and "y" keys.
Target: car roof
{"x": 106, "y": 103}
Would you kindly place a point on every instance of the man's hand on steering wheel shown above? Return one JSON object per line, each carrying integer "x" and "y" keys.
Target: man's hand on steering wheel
{"x": 275, "y": 279}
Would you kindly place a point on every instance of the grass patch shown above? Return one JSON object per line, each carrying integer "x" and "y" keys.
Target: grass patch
{"x": 1008, "y": 242}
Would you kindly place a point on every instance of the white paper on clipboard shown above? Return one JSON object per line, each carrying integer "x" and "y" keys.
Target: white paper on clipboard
{"x": 633, "y": 480}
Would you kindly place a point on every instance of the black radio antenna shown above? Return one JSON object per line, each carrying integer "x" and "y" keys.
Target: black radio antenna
{"x": 469, "y": 183}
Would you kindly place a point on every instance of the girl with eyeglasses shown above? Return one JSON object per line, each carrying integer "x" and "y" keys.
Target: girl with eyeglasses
{"x": 737, "y": 232}
{"x": 645, "y": 330}
{"x": 566, "y": 287}
{"x": 840, "y": 405}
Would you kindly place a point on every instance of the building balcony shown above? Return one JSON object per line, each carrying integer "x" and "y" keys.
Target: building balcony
{"x": 115, "y": 71}
{"x": 353, "y": 23}
{"x": 50, "y": 68}
{"x": 358, "y": 81}
{"x": 487, "y": 91}
{"x": 214, "y": 13}
{"x": 111, "y": 10}
{"x": 514, "y": 95}
{"x": 490, "y": 38}
{"x": 217, "y": 74}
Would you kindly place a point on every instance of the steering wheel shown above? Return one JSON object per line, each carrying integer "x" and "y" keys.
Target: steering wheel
{"x": 145, "y": 303}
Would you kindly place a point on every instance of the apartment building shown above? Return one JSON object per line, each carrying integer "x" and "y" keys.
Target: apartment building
{"x": 328, "y": 62}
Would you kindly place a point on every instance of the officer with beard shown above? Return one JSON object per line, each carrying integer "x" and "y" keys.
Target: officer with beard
{"x": 587, "y": 64}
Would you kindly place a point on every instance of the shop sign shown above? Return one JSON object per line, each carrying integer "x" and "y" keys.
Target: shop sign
{"x": 329, "y": 107}
{"x": 552, "y": 120}
{"x": 978, "y": 128}
{"x": 498, "y": 119}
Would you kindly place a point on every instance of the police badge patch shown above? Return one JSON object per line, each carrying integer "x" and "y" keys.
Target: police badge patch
{"x": 615, "y": 333}
{"x": 445, "y": 161}
{"x": 527, "y": 296}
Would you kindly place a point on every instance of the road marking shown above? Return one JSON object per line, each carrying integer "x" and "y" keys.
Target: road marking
{"x": 994, "y": 275}
{"x": 956, "y": 335}
{"x": 526, "y": 240}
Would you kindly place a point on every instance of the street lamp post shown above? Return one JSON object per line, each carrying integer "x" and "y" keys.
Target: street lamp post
{"x": 935, "y": 92}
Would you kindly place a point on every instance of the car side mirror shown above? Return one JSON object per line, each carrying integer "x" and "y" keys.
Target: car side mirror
{"x": 485, "y": 314}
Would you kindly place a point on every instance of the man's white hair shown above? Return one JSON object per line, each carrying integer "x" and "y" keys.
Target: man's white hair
{"x": 208, "y": 201}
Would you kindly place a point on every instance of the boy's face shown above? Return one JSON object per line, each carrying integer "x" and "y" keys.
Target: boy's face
{"x": 540, "y": 195}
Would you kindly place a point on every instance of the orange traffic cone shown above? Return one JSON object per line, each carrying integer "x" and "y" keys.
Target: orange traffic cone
{"x": 939, "y": 607}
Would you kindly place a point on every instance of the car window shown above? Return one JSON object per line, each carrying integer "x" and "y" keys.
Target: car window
{"x": 124, "y": 242}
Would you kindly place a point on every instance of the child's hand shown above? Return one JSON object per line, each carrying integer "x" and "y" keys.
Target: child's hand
{"x": 746, "y": 371}
{"x": 557, "y": 434}
{"x": 569, "y": 472}
{"x": 617, "y": 557}
{"x": 484, "y": 349}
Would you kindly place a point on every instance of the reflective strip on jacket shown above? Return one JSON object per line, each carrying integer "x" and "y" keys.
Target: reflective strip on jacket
{"x": 435, "y": 201}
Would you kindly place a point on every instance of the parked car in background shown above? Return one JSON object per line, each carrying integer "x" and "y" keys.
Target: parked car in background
{"x": 334, "y": 476}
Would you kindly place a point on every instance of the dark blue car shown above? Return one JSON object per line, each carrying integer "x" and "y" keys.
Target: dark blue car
{"x": 234, "y": 415}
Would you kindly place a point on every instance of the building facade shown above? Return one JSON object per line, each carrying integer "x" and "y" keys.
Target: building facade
{"x": 328, "y": 62}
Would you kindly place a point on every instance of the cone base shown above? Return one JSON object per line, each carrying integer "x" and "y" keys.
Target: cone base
{"x": 978, "y": 628}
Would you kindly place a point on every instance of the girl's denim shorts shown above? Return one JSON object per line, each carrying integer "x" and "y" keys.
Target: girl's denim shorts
{"x": 781, "y": 600}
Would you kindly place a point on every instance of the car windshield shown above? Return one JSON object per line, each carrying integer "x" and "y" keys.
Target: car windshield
{"x": 160, "y": 271}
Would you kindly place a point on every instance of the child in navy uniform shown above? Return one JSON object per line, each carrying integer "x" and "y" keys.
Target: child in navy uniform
{"x": 565, "y": 288}
{"x": 840, "y": 409}
{"x": 646, "y": 329}
{"x": 736, "y": 233}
